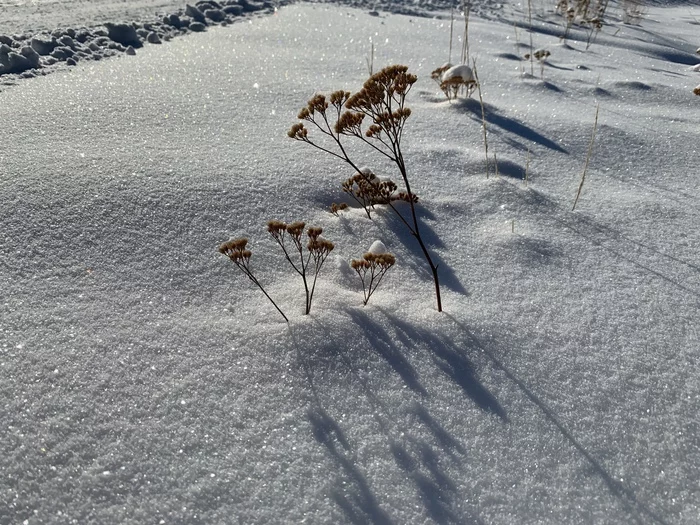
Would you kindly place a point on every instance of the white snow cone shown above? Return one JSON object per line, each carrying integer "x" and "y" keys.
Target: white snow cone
{"x": 377, "y": 248}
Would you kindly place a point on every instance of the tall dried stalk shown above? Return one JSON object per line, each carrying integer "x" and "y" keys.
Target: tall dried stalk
{"x": 529, "y": 21}
{"x": 452, "y": 23}
{"x": 588, "y": 158}
{"x": 465, "y": 41}
{"x": 382, "y": 101}
{"x": 483, "y": 117}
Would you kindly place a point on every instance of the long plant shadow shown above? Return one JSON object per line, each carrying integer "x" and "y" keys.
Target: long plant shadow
{"x": 634, "y": 506}
{"x": 416, "y": 458}
{"x": 614, "y": 241}
{"x": 508, "y": 124}
{"x": 385, "y": 347}
{"x": 430, "y": 238}
{"x": 356, "y": 499}
{"x": 436, "y": 490}
{"x": 444, "y": 439}
{"x": 452, "y": 361}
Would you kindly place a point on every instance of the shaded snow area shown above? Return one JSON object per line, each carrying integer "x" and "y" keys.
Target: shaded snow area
{"x": 145, "y": 379}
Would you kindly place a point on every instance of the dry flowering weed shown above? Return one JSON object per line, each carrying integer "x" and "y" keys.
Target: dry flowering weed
{"x": 371, "y": 269}
{"x": 585, "y": 13}
{"x": 236, "y": 250}
{"x": 307, "y": 264}
{"x": 336, "y": 208}
{"x": 375, "y": 116}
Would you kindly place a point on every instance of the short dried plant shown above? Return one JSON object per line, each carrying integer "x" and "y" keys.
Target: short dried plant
{"x": 371, "y": 269}
{"x": 381, "y": 103}
{"x": 236, "y": 250}
{"x": 306, "y": 263}
{"x": 336, "y": 208}
{"x": 633, "y": 11}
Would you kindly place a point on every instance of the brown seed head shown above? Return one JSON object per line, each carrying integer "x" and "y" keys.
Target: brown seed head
{"x": 313, "y": 233}
{"x": 320, "y": 246}
{"x": 295, "y": 229}
{"x": 317, "y": 103}
{"x": 404, "y": 196}
{"x": 338, "y": 98}
{"x": 349, "y": 123}
{"x": 276, "y": 226}
{"x": 335, "y": 208}
{"x": 298, "y": 132}
{"x": 359, "y": 264}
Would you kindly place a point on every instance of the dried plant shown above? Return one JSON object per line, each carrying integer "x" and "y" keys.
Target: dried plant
{"x": 581, "y": 12}
{"x": 307, "y": 265}
{"x": 588, "y": 158}
{"x": 541, "y": 55}
{"x": 382, "y": 104}
{"x": 595, "y": 25}
{"x": 633, "y": 11}
{"x": 466, "y": 7}
{"x": 368, "y": 190}
{"x": 236, "y": 250}
{"x": 451, "y": 79}
{"x": 697, "y": 90}
{"x": 337, "y": 208}
{"x": 370, "y": 59}
{"x": 483, "y": 118}
{"x": 371, "y": 269}
{"x": 436, "y": 74}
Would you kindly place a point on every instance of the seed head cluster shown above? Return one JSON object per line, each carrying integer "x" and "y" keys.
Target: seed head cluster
{"x": 337, "y": 208}
{"x": 371, "y": 270}
{"x": 235, "y": 249}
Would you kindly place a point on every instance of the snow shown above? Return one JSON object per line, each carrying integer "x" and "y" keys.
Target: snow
{"x": 461, "y": 71}
{"x": 146, "y": 380}
{"x": 377, "y": 248}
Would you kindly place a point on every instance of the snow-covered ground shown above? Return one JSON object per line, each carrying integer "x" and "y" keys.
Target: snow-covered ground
{"x": 143, "y": 379}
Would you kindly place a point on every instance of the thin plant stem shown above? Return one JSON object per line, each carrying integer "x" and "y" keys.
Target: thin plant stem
{"x": 588, "y": 158}
{"x": 452, "y": 23}
{"x": 254, "y": 280}
{"x": 465, "y": 42}
{"x": 527, "y": 167}
{"x": 483, "y": 118}
{"x": 532, "y": 51}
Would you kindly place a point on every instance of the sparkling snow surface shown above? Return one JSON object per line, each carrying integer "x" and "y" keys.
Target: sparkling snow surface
{"x": 143, "y": 379}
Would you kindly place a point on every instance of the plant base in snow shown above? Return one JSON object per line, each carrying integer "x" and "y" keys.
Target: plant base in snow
{"x": 307, "y": 265}
{"x": 371, "y": 269}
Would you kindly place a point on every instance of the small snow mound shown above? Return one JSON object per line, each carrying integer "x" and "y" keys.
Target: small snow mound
{"x": 462, "y": 71}
{"x": 377, "y": 248}
{"x": 696, "y": 67}
{"x": 347, "y": 274}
